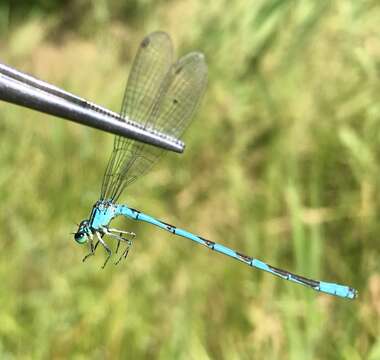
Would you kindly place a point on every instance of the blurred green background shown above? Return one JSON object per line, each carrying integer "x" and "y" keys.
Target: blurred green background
{"x": 282, "y": 163}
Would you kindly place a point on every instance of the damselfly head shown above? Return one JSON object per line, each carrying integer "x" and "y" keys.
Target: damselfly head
{"x": 81, "y": 236}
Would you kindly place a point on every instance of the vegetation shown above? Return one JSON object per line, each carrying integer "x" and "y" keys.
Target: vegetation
{"x": 282, "y": 163}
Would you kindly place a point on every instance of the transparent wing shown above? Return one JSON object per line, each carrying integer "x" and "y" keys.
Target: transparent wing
{"x": 160, "y": 95}
{"x": 151, "y": 64}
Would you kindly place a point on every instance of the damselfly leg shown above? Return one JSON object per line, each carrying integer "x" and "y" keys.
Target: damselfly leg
{"x": 91, "y": 247}
{"x": 117, "y": 234}
{"x": 106, "y": 248}
{"x": 114, "y": 233}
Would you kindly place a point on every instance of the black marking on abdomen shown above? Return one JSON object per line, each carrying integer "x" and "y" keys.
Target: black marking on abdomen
{"x": 136, "y": 212}
{"x": 287, "y": 274}
{"x": 169, "y": 227}
{"x": 210, "y": 244}
{"x": 243, "y": 257}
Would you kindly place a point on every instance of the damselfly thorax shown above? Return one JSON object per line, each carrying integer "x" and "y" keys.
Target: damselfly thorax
{"x": 92, "y": 231}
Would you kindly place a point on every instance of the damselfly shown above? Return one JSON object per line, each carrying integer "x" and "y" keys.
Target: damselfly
{"x": 163, "y": 96}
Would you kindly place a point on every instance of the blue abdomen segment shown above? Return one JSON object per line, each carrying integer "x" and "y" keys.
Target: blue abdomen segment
{"x": 325, "y": 287}
{"x": 338, "y": 290}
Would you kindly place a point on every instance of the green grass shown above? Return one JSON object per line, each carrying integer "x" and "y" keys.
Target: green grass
{"x": 282, "y": 163}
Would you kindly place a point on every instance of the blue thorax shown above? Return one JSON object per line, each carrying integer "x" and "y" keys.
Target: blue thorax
{"x": 102, "y": 214}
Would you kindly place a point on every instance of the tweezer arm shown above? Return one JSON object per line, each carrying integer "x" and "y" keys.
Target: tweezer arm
{"x": 22, "y": 89}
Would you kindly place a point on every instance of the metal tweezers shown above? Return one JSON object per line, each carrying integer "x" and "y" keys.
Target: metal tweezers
{"x": 21, "y": 89}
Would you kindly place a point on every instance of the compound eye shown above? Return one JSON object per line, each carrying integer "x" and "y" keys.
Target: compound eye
{"x": 80, "y": 237}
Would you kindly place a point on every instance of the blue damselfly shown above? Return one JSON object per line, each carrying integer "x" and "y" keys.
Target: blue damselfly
{"x": 162, "y": 95}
